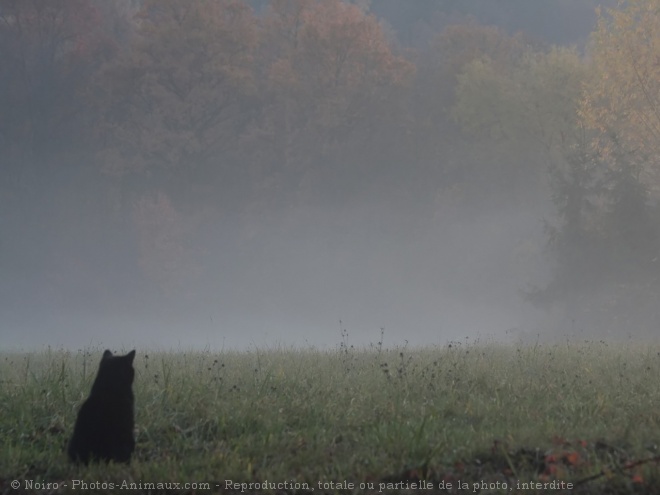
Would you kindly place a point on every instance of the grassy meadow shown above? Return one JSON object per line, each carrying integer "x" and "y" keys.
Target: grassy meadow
{"x": 481, "y": 418}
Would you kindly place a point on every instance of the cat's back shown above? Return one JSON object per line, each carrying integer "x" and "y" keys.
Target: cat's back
{"x": 104, "y": 427}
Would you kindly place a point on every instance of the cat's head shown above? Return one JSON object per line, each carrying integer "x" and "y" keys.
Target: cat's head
{"x": 118, "y": 369}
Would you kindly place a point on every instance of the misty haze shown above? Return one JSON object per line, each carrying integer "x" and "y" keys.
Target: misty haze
{"x": 330, "y": 246}
{"x": 243, "y": 174}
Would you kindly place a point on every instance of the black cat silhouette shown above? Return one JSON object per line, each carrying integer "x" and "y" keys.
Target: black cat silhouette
{"x": 104, "y": 428}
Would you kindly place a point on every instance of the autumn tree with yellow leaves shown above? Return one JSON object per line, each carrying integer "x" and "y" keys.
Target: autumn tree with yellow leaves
{"x": 621, "y": 106}
{"x": 608, "y": 244}
{"x": 622, "y": 99}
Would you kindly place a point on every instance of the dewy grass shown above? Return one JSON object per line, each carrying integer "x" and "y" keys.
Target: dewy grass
{"x": 462, "y": 412}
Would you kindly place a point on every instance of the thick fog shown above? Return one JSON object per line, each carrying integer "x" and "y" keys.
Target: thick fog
{"x": 392, "y": 223}
{"x": 423, "y": 282}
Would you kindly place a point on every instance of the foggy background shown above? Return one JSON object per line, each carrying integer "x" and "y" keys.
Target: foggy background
{"x": 248, "y": 174}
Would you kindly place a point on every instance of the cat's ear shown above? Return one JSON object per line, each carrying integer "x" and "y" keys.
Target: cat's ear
{"x": 131, "y": 356}
{"x": 107, "y": 354}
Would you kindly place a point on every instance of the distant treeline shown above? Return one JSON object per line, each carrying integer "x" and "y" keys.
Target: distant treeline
{"x": 129, "y": 128}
